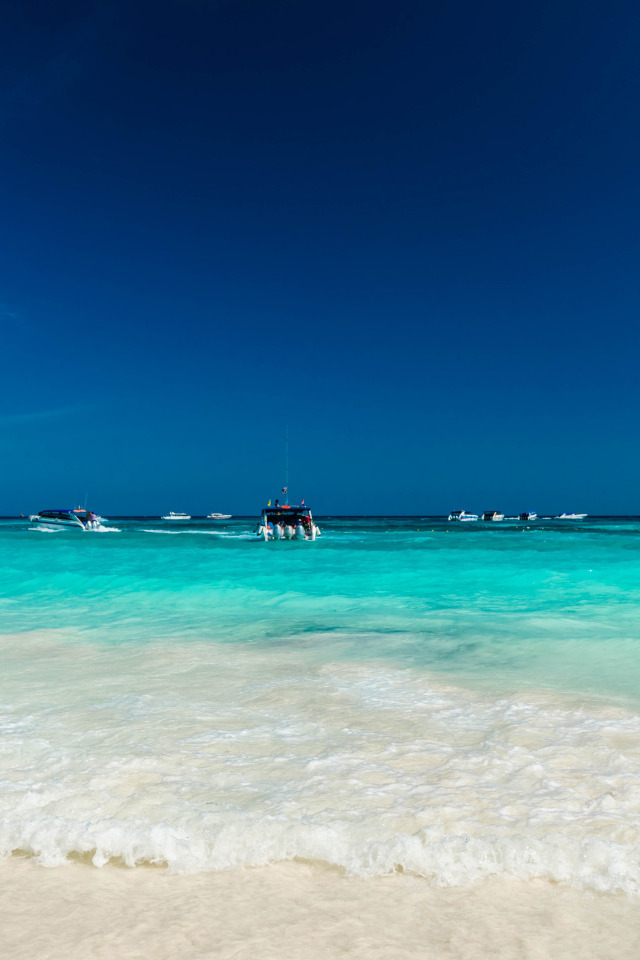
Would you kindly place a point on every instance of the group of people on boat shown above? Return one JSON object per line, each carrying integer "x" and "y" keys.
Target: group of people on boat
{"x": 88, "y": 519}
{"x": 287, "y": 523}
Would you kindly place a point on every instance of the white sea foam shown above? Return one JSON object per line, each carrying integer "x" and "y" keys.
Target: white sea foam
{"x": 202, "y": 533}
{"x": 98, "y": 529}
{"x": 172, "y": 533}
{"x": 210, "y": 757}
{"x": 181, "y": 533}
{"x": 454, "y": 860}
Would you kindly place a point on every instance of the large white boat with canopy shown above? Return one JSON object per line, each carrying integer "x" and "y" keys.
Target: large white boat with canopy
{"x": 287, "y": 522}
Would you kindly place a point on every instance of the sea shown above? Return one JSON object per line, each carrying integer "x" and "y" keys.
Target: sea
{"x": 408, "y": 738}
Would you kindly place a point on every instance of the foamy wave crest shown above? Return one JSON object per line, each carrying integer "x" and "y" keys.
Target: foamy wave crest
{"x": 208, "y": 757}
{"x": 605, "y": 867}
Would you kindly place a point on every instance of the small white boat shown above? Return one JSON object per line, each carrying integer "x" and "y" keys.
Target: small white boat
{"x": 218, "y": 516}
{"x": 287, "y": 523}
{"x": 176, "y": 516}
{"x": 492, "y": 515}
{"x": 65, "y": 519}
{"x": 572, "y": 516}
{"x": 527, "y": 516}
{"x": 463, "y": 516}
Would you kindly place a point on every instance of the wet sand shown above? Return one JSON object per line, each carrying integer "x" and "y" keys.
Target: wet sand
{"x": 299, "y": 910}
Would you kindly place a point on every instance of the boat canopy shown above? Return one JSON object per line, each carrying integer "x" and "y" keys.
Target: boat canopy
{"x": 63, "y": 513}
{"x": 285, "y": 514}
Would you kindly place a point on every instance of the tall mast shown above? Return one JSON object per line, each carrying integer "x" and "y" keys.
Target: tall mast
{"x": 286, "y": 466}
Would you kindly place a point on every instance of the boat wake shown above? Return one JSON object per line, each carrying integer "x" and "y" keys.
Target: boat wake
{"x": 201, "y": 533}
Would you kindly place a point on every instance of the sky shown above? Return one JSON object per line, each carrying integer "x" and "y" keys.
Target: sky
{"x": 405, "y": 231}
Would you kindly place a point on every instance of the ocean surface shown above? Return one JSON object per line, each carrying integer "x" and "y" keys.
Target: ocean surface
{"x": 457, "y": 704}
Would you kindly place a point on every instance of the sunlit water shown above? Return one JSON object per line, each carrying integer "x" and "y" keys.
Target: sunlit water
{"x": 456, "y": 702}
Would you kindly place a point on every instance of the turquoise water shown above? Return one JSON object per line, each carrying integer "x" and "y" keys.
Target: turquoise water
{"x": 456, "y": 701}
{"x": 549, "y": 604}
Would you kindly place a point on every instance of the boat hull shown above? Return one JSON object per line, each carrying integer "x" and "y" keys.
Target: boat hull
{"x": 57, "y": 524}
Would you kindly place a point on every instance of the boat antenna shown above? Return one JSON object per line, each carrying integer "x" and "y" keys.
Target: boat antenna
{"x": 286, "y": 466}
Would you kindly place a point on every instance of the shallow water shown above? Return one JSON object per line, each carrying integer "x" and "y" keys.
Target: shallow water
{"x": 458, "y": 703}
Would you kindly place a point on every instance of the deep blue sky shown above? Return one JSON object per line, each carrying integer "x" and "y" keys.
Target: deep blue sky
{"x": 408, "y": 230}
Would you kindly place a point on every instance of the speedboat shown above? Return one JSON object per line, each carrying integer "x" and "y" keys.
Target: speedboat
{"x": 218, "y": 516}
{"x": 462, "y": 516}
{"x": 572, "y": 516}
{"x": 176, "y": 516}
{"x": 492, "y": 515}
{"x": 287, "y": 523}
{"x": 527, "y": 516}
{"x": 58, "y": 519}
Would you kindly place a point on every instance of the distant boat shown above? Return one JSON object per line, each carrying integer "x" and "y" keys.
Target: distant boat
{"x": 492, "y": 515}
{"x": 462, "y": 516}
{"x": 528, "y": 516}
{"x": 218, "y": 516}
{"x": 177, "y": 516}
{"x": 572, "y": 516}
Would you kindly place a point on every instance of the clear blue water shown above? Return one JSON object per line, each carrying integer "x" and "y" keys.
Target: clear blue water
{"x": 459, "y": 701}
{"x": 545, "y": 604}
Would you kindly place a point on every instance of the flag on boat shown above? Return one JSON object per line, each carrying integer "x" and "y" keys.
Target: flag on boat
{"x": 302, "y": 504}
{"x": 284, "y": 489}
{"x": 269, "y": 504}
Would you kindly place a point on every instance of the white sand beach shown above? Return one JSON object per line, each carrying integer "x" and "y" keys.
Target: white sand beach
{"x": 301, "y": 911}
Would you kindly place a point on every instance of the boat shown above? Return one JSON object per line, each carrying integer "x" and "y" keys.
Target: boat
{"x": 492, "y": 515}
{"x": 527, "y": 516}
{"x": 287, "y": 523}
{"x": 572, "y": 516}
{"x": 60, "y": 519}
{"x": 218, "y": 516}
{"x": 462, "y": 516}
{"x": 176, "y": 516}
